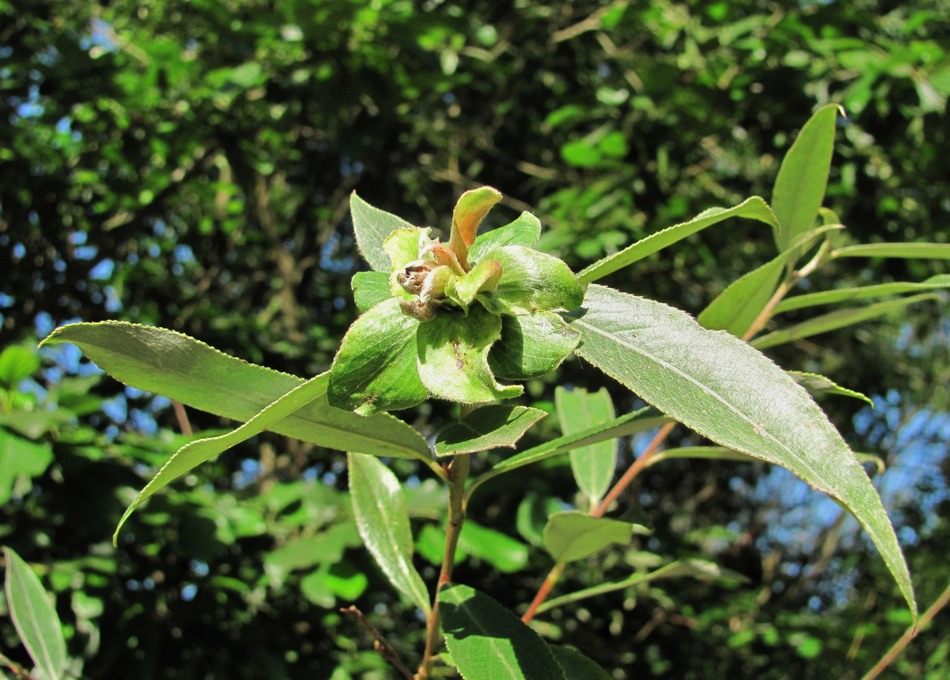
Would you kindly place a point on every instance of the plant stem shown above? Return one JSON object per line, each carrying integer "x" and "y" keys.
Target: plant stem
{"x": 909, "y": 635}
{"x": 457, "y": 474}
{"x": 638, "y": 465}
{"x": 379, "y": 642}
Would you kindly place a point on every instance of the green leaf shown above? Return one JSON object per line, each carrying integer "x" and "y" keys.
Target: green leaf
{"x": 375, "y": 367}
{"x": 927, "y": 251}
{"x": 593, "y": 465}
{"x": 506, "y": 554}
{"x": 532, "y": 281}
{"x": 828, "y": 297}
{"x": 453, "y": 357}
{"x": 195, "y": 453}
{"x": 531, "y": 345}
{"x": 34, "y": 617}
{"x": 819, "y": 384}
{"x": 484, "y": 276}
{"x": 186, "y": 370}
{"x": 752, "y": 208}
{"x": 372, "y": 226}
{"x": 17, "y": 363}
{"x": 403, "y": 245}
{"x": 20, "y": 459}
{"x": 369, "y": 289}
{"x": 488, "y": 427}
{"x": 739, "y": 305}
{"x": 837, "y": 319}
{"x": 573, "y": 535}
{"x": 524, "y": 231}
{"x": 488, "y": 642}
{"x": 701, "y": 453}
{"x": 800, "y": 185}
{"x": 631, "y": 423}
{"x": 382, "y": 517}
{"x": 702, "y": 570}
{"x": 576, "y": 666}
{"x": 723, "y": 389}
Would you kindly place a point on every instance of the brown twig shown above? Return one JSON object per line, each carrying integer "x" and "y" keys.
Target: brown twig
{"x": 638, "y": 465}
{"x": 183, "y": 423}
{"x": 909, "y": 635}
{"x": 380, "y": 644}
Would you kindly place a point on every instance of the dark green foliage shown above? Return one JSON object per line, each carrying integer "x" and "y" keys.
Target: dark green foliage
{"x": 189, "y": 165}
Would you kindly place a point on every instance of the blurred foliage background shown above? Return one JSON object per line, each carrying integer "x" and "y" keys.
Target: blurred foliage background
{"x": 189, "y": 164}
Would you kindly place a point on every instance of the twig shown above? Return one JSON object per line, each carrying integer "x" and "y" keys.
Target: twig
{"x": 380, "y": 644}
{"x": 638, "y": 465}
{"x": 908, "y": 635}
{"x": 457, "y": 474}
{"x": 183, "y": 423}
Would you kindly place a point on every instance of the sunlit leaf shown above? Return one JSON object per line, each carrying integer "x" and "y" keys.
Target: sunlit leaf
{"x": 34, "y": 617}
{"x": 531, "y": 345}
{"x": 488, "y": 427}
{"x": 837, "y": 319}
{"x": 453, "y": 357}
{"x": 372, "y": 226}
{"x": 199, "y": 451}
{"x": 187, "y": 370}
{"x": 838, "y": 295}
{"x": 375, "y": 368}
{"x": 752, "y": 208}
{"x": 819, "y": 384}
{"x": 382, "y": 517}
{"x": 488, "y": 642}
{"x": 524, "y": 231}
{"x": 702, "y": 570}
{"x": 593, "y": 465}
{"x": 927, "y": 251}
{"x": 573, "y": 535}
{"x": 799, "y": 188}
{"x": 725, "y": 390}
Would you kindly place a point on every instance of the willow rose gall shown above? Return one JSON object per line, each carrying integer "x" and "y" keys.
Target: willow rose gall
{"x": 449, "y": 319}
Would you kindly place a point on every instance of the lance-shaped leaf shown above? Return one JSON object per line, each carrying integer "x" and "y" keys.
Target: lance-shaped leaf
{"x": 819, "y": 384}
{"x": 723, "y": 389}
{"x": 375, "y": 368}
{"x": 593, "y": 465}
{"x": 34, "y": 617}
{"x": 453, "y": 357}
{"x": 382, "y": 517}
{"x": 927, "y": 251}
{"x": 488, "y": 427}
{"x": 701, "y": 570}
{"x": 837, "y": 319}
{"x": 372, "y": 226}
{"x": 369, "y": 289}
{"x": 469, "y": 212}
{"x": 800, "y": 185}
{"x": 187, "y": 370}
{"x": 531, "y": 345}
{"x": 195, "y": 453}
{"x": 630, "y": 423}
{"x": 488, "y": 642}
{"x": 739, "y": 305}
{"x": 838, "y": 295}
{"x": 532, "y": 281}
{"x": 573, "y": 535}
{"x": 752, "y": 208}
{"x": 524, "y": 231}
